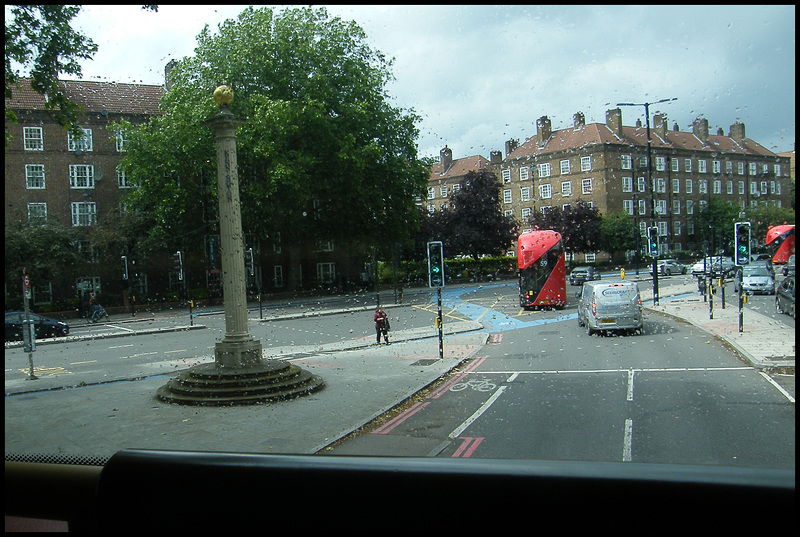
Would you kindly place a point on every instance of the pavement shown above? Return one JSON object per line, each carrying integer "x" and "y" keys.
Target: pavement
{"x": 362, "y": 382}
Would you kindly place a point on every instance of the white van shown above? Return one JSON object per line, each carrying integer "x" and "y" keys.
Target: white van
{"x": 610, "y": 306}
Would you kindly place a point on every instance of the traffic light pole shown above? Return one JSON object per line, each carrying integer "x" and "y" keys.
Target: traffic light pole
{"x": 439, "y": 322}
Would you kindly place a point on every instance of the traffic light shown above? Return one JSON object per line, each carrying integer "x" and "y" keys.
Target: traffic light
{"x": 652, "y": 241}
{"x": 248, "y": 259}
{"x": 124, "y": 259}
{"x": 741, "y": 234}
{"x": 178, "y": 264}
{"x": 435, "y": 264}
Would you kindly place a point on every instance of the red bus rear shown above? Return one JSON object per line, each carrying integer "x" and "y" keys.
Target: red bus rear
{"x": 542, "y": 270}
{"x": 783, "y": 237}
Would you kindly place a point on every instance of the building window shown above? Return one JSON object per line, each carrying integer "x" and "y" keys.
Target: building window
{"x": 676, "y": 186}
{"x": 326, "y": 272}
{"x": 741, "y": 187}
{"x": 84, "y": 213}
{"x": 662, "y": 229}
{"x": 34, "y": 176}
{"x": 626, "y": 162}
{"x": 523, "y": 173}
{"x": 661, "y": 164}
{"x": 717, "y": 187}
{"x": 641, "y": 184}
{"x": 703, "y": 186}
{"x": 525, "y": 194}
{"x": 506, "y": 176}
{"x": 728, "y": 167}
{"x": 765, "y": 169}
{"x": 564, "y": 167}
{"x": 687, "y": 165}
{"x": 122, "y": 179}
{"x": 676, "y": 231}
{"x": 772, "y": 187}
{"x": 777, "y": 170}
{"x": 443, "y": 191}
{"x": 586, "y": 186}
{"x": 566, "y": 188}
{"x": 778, "y": 189}
{"x": 676, "y": 206}
{"x": 431, "y": 193}
{"x": 675, "y": 165}
{"x": 643, "y": 229}
{"x": 661, "y": 185}
{"x": 80, "y": 143}
{"x": 545, "y": 191}
{"x": 509, "y": 213}
{"x": 32, "y": 137}
{"x": 701, "y": 166}
{"x": 81, "y": 176}
{"x": 753, "y": 187}
{"x": 586, "y": 164}
{"x": 715, "y": 167}
{"x": 661, "y": 206}
{"x": 764, "y": 188}
{"x": 507, "y": 196}
{"x": 689, "y": 186}
{"x": 753, "y": 168}
{"x": 544, "y": 169}
{"x": 627, "y": 206}
{"x": 526, "y": 213}
{"x": 689, "y": 206}
{"x": 729, "y": 187}
{"x": 37, "y": 212}
{"x": 740, "y": 168}
{"x": 627, "y": 184}
{"x": 120, "y": 138}
{"x": 642, "y": 207}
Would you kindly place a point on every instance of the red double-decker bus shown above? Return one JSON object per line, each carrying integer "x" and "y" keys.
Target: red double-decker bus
{"x": 783, "y": 239}
{"x": 542, "y": 270}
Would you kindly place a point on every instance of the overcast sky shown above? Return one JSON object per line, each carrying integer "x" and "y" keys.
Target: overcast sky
{"x": 480, "y": 75}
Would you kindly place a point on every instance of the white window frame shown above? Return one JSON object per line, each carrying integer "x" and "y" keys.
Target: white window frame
{"x": 689, "y": 186}
{"x": 564, "y": 167}
{"x": 587, "y": 185}
{"x": 642, "y": 207}
{"x": 326, "y": 272}
{"x": 627, "y": 184}
{"x": 543, "y": 169}
{"x": 80, "y": 180}
{"x": 545, "y": 191}
{"x": 37, "y": 211}
{"x": 83, "y": 143}
{"x": 741, "y": 188}
{"x": 122, "y": 179}
{"x": 627, "y": 207}
{"x": 586, "y": 164}
{"x": 34, "y": 177}
{"x": 566, "y": 188}
{"x": 33, "y": 138}
{"x": 676, "y": 186}
{"x": 689, "y": 206}
{"x": 676, "y": 206}
{"x": 506, "y": 176}
{"x": 431, "y": 193}
{"x": 507, "y": 196}
{"x": 626, "y": 162}
{"x": 84, "y": 213}
{"x": 740, "y": 168}
{"x": 715, "y": 167}
{"x": 717, "y": 186}
{"x": 641, "y": 184}
{"x": 675, "y": 165}
{"x": 661, "y": 164}
{"x": 701, "y": 166}
{"x": 524, "y": 173}
{"x": 703, "y": 186}
{"x": 525, "y": 193}
{"x": 729, "y": 187}
{"x": 687, "y": 165}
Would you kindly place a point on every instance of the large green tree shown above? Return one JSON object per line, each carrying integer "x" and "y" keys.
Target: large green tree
{"x": 474, "y": 224}
{"x": 579, "y": 225}
{"x": 321, "y": 154}
{"x": 618, "y": 233}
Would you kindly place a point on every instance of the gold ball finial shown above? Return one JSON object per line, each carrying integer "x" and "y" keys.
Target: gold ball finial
{"x": 223, "y": 95}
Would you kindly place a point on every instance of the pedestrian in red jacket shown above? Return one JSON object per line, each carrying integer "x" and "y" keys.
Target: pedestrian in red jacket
{"x": 381, "y": 325}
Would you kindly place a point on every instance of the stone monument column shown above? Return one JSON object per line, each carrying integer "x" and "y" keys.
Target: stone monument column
{"x": 239, "y": 375}
{"x": 237, "y": 348}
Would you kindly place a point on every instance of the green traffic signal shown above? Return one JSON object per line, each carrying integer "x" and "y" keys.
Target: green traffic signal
{"x": 741, "y": 232}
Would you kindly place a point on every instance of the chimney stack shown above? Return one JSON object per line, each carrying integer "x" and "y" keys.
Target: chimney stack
{"x": 614, "y": 121}
{"x": 579, "y": 120}
{"x": 737, "y": 132}
{"x": 445, "y": 158}
{"x": 511, "y": 145}
{"x": 495, "y": 157}
{"x": 543, "y": 130}
{"x": 700, "y": 128}
{"x": 660, "y": 125}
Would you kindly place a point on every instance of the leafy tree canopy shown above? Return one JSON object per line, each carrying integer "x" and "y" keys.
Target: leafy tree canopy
{"x": 44, "y": 251}
{"x": 579, "y": 225}
{"x": 474, "y": 224}
{"x": 618, "y": 233}
{"x": 321, "y": 152}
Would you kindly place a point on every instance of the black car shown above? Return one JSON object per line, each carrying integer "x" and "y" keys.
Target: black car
{"x": 43, "y": 326}
{"x": 583, "y": 274}
{"x": 784, "y": 296}
{"x": 788, "y": 268}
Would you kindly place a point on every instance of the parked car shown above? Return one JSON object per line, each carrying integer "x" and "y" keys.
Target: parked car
{"x": 583, "y": 274}
{"x": 717, "y": 265}
{"x": 760, "y": 257}
{"x": 784, "y": 296}
{"x": 757, "y": 279}
{"x": 667, "y": 267}
{"x": 610, "y": 306}
{"x": 788, "y": 268}
{"x": 43, "y": 326}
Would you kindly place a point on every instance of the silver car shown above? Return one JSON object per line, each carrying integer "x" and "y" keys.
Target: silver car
{"x": 758, "y": 279}
{"x": 667, "y": 267}
{"x": 610, "y": 306}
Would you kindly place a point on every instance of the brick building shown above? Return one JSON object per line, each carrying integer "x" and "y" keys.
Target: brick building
{"x": 51, "y": 175}
{"x": 605, "y": 165}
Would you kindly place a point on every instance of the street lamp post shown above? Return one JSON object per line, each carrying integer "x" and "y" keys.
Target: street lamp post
{"x": 652, "y": 185}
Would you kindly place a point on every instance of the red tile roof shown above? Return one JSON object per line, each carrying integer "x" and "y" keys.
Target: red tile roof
{"x": 599, "y": 133}
{"x": 460, "y": 167}
{"x": 94, "y": 97}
